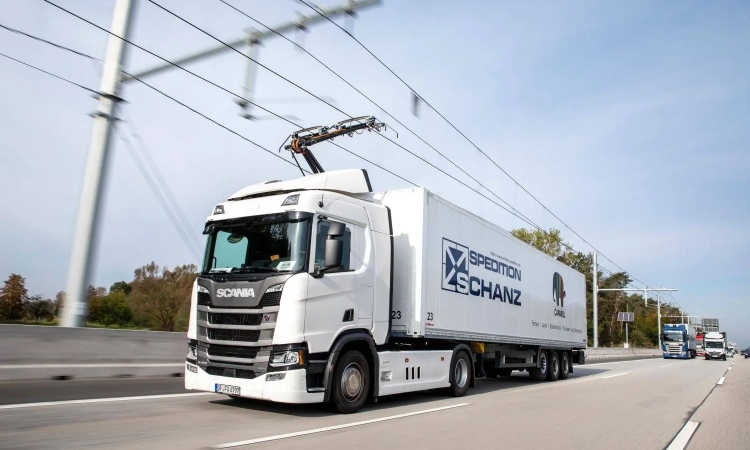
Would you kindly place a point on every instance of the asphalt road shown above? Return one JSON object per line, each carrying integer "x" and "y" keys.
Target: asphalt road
{"x": 624, "y": 405}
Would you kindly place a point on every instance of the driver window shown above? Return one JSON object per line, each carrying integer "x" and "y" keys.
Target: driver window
{"x": 320, "y": 247}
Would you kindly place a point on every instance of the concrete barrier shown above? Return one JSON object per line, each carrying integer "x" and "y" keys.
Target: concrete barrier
{"x": 594, "y": 354}
{"x": 41, "y": 352}
{"x": 44, "y": 352}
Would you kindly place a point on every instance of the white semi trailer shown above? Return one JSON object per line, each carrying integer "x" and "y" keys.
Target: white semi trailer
{"x": 319, "y": 290}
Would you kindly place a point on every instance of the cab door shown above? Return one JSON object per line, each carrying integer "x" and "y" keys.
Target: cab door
{"x": 341, "y": 299}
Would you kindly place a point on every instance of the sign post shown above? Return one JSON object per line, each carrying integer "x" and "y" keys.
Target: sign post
{"x": 626, "y": 317}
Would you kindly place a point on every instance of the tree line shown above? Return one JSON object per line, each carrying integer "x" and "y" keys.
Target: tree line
{"x": 156, "y": 299}
{"x": 643, "y": 332}
{"x": 159, "y": 298}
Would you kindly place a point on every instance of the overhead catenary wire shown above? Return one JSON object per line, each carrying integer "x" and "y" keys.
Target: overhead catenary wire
{"x": 160, "y": 180}
{"x": 416, "y": 94}
{"x": 518, "y": 213}
{"x": 183, "y": 235}
{"x": 309, "y": 93}
{"x": 51, "y": 74}
{"x": 268, "y": 110}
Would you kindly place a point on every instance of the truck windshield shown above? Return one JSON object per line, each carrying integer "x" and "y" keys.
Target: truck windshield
{"x": 673, "y": 337}
{"x": 710, "y": 344}
{"x": 258, "y": 247}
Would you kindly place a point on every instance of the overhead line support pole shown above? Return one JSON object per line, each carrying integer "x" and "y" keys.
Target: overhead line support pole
{"x": 89, "y": 209}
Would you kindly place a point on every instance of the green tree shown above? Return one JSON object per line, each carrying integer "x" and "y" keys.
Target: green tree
{"x": 122, "y": 286}
{"x": 111, "y": 309}
{"x": 549, "y": 242}
{"x": 39, "y": 309}
{"x": 13, "y": 296}
{"x": 59, "y": 303}
{"x": 162, "y": 296}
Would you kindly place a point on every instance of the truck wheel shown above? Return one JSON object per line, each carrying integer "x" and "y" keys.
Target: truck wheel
{"x": 461, "y": 374}
{"x": 540, "y": 373}
{"x": 554, "y": 366}
{"x": 351, "y": 382}
{"x": 564, "y": 365}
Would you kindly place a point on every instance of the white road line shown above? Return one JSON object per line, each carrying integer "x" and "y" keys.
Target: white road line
{"x": 335, "y": 427}
{"x": 615, "y": 375}
{"x": 615, "y": 362}
{"x": 103, "y": 400}
{"x": 666, "y": 365}
{"x": 86, "y": 366}
{"x": 721, "y": 381}
{"x": 683, "y": 437}
{"x": 730, "y": 368}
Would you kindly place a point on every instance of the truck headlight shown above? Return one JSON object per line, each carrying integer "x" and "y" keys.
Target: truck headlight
{"x": 275, "y": 288}
{"x": 287, "y": 359}
{"x": 203, "y": 290}
{"x": 192, "y": 352}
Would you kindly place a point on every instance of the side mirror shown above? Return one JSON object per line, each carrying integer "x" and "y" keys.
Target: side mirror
{"x": 334, "y": 253}
{"x": 336, "y": 229}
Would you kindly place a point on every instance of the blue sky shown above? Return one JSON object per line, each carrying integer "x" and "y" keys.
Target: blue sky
{"x": 627, "y": 119}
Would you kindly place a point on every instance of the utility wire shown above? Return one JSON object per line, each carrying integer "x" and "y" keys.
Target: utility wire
{"x": 185, "y": 236}
{"x": 139, "y": 164}
{"x": 266, "y": 109}
{"x": 518, "y": 213}
{"x": 324, "y": 101}
{"x": 36, "y": 38}
{"x": 414, "y": 92}
{"x": 154, "y": 168}
{"x": 51, "y": 74}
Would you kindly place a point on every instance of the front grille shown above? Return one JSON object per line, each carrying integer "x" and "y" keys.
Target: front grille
{"x": 233, "y": 335}
{"x": 244, "y": 373}
{"x": 234, "y": 319}
{"x": 229, "y": 351}
{"x": 216, "y": 371}
{"x": 204, "y": 299}
{"x": 270, "y": 299}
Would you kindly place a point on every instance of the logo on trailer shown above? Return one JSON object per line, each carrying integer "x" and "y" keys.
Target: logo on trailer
{"x": 558, "y": 294}
{"x": 456, "y": 276}
{"x": 455, "y": 267}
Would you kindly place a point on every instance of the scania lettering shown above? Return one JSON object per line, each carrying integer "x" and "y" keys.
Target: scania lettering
{"x": 245, "y": 292}
{"x": 318, "y": 289}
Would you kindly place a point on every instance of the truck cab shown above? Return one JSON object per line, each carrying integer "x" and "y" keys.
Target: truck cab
{"x": 310, "y": 242}
{"x": 715, "y": 346}
{"x": 679, "y": 341}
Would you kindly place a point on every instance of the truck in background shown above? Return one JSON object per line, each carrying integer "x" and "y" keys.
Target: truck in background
{"x": 716, "y": 345}
{"x": 318, "y": 289}
{"x": 699, "y": 345}
{"x": 678, "y": 341}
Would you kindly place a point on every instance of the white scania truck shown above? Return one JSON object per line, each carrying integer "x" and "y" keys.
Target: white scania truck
{"x": 319, "y": 290}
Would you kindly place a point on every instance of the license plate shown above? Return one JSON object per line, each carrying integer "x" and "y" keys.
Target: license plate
{"x": 227, "y": 389}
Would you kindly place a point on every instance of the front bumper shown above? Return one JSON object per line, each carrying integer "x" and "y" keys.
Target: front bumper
{"x": 291, "y": 389}
{"x": 676, "y": 355}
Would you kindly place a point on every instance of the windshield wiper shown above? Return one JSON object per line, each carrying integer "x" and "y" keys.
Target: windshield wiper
{"x": 254, "y": 270}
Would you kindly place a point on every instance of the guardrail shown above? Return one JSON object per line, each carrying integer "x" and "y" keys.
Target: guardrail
{"x": 43, "y": 352}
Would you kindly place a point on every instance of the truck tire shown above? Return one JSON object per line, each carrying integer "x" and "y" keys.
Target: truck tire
{"x": 460, "y": 371}
{"x": 540, "y": 373}
{"x": 554, "y": 366}
{"x": 564, "y": 365}
{"x": 351, "y": 382}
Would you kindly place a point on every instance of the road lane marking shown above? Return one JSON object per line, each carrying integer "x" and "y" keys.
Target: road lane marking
{"x": 683, "y": 437}
{"x": 334, "y": 427}
{"x": 86, "y": 366}
{"x": 103, "y": 400}
{"x": 615, "y": 375}
{"x": 666, "y": 365}
{"x": 730, "y": 368}
{"x": 615, "y": 362}
{"x": 721, "y": 381}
